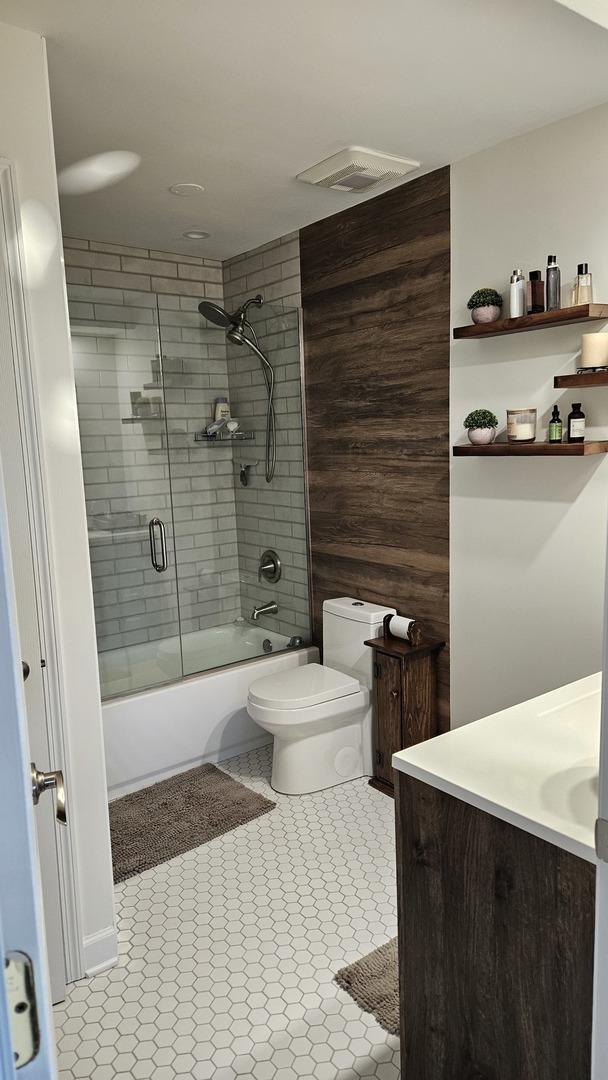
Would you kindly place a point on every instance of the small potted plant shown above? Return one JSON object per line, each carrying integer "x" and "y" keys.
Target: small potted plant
{"x": 481, "y": 427}
{"x": 485, "y": 305}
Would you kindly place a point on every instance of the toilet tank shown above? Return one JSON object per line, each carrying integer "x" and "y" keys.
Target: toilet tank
{"x": 347, "y": 623}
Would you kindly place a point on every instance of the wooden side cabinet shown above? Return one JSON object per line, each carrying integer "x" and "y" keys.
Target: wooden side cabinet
{"x": 404, "y": 701}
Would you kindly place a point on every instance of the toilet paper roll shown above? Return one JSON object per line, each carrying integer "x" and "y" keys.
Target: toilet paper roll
{"x": 408, "y": 629}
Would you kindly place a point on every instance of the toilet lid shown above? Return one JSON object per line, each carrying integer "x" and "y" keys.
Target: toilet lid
{"x": 301, "y": 687}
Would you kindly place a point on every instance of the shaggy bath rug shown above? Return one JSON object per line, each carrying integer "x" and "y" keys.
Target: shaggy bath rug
{"x": 155, "y": 824}
{"x": 373, "y": 982}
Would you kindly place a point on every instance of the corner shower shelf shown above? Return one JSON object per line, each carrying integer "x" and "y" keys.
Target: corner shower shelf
{"x": 233, "y": 436}
{"x": 539, "y": 449}
{"x": 540, "y": 321}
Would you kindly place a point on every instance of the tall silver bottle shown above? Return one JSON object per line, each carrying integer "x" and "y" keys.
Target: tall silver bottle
{"x": 554, "y": 284}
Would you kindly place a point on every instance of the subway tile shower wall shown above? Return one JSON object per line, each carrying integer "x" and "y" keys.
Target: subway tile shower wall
{"x": 126, "y": 467}
{"x": 221, "y": 528}
{"x": 271, "y": 515}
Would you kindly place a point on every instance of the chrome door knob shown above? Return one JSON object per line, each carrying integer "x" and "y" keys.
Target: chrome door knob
{"x": 42, "y": 782}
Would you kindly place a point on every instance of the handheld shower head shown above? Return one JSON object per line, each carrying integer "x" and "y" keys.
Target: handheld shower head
{"x": 240, "y": 331}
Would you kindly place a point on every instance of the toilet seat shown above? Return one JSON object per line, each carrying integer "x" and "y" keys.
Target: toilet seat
{"x": 302, "y": 688}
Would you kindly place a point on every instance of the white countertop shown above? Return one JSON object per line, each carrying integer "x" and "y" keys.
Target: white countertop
{"x": 534, "y": 765}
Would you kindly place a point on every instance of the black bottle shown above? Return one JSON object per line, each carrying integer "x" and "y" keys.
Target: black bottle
{"x": 555, "y": 427}
{"x": 576, "y": 424}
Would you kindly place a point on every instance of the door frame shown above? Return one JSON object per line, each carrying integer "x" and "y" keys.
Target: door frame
{"x": 44, "y": 586}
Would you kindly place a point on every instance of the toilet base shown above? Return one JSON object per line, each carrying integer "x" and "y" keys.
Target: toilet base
{"x": 323, "y": 760}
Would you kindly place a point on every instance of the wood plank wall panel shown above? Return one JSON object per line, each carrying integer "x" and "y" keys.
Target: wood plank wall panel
{"x": 376, "y": 301}
{"x": 496, "y": 942}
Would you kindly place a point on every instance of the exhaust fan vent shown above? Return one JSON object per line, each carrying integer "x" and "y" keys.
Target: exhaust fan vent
{"x": 357, "y": 169}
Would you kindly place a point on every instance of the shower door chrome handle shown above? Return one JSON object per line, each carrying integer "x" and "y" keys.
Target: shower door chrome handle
{"x": 152, "y": 525}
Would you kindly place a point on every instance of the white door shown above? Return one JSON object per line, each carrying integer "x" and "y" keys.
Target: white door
{"x": 16, "y": 455}
{"x": 21, "y": 914}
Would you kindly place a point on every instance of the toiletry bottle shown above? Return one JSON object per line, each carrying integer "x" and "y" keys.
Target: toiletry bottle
{"x": 222, "y": 409}
{"x": 582, "y": 293}
{"x": 576, "y": 424}
{"x": 554, "y": 284}
{"x": 555, "y": 427}
{"x": 536, "y": 292}
{"x": 517, "y": 295}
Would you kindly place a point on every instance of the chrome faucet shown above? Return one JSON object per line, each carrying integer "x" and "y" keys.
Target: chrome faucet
{"x": 271, "y": 608}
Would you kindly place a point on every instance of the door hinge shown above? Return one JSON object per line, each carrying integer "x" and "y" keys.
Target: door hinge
{"x": 377, "y": 670}
{"x": 601, "y": 839}
{"x": 23, "y": 1014}
{"x": 379, "y": 757}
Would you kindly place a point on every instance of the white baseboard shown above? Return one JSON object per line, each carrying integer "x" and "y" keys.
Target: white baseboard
{"x": 214, "y": 757}
{"x": 100, "y": 951}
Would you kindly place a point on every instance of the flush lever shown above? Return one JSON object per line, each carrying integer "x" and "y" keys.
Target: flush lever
{"x": 41, "y": 782}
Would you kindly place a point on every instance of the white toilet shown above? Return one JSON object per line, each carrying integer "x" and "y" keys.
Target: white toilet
{"x": 320, "y": 714}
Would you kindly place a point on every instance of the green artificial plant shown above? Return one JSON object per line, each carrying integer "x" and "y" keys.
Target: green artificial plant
{"x": 485, "y": 298}
{"x": 481, "y": 418}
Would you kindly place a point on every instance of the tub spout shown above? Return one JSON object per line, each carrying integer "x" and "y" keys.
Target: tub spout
{"x": 266, "y": 609}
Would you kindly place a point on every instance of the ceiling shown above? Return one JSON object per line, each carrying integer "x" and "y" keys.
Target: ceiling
{"x": 240, "y": 97}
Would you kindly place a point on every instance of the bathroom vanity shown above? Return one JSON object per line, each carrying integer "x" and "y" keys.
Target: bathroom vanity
{"x": 496, "y": 879}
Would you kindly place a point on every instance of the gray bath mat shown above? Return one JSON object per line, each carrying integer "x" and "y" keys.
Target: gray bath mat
{"x": 157, "y": 823}
{"x": 373, "y": 982}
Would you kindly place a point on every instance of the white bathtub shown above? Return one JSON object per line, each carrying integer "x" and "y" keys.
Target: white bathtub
{"x": 152, "y": 663}
{"x": 151, "y": 735}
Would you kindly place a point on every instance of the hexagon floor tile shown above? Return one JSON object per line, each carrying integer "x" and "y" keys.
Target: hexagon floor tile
{"x": 228, "y": 953}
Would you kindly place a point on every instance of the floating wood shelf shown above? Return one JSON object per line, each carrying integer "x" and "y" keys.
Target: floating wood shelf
{"x": 537, "y": 449}
{"x": 541, "y": 321}
{"x": 586, "y": 378}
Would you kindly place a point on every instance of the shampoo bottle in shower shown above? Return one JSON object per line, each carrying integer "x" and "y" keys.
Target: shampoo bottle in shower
{"x": 554, "y": 284}
{"x": 222, "y": 409}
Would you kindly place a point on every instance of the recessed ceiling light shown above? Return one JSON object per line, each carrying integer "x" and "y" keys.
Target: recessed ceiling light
{"x": 196, "y": 234}
{"x": 186, "y": 189}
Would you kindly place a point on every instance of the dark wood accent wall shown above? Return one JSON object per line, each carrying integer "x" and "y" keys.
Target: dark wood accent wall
{"x": 496, "y": 940}
{"x": 376, "y": 300}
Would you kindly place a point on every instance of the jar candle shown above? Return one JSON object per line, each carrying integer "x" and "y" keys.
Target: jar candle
{"x": 594, "y": 351}
{"x": 521, "y": 425}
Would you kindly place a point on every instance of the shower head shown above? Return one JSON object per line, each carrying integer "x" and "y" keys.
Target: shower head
{"x": 236, "y": 334}
{"x": 216, "y": 314}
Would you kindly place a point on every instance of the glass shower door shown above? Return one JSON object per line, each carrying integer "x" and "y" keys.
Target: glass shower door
{"x": 119, "y": 386}
{"x": 228, "y": 516}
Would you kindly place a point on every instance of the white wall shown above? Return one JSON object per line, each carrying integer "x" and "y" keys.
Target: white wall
{"x": 527, "y": 537}
{"x": 26, "y": 140}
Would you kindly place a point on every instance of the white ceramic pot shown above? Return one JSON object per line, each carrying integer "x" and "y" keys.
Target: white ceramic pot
{"x": 489, "y": 313}
{"x": 482, "y": 436}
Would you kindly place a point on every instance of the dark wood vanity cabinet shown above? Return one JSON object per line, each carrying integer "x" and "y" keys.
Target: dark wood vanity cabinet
{"x": 496, "y": 941}
{"x": 404, "y": 701}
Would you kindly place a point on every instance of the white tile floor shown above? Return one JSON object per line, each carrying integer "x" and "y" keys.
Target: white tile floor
{"x": 227, "y": 953}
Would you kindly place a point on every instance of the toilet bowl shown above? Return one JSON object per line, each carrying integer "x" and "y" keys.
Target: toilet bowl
{"x": 320, "y": 714}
